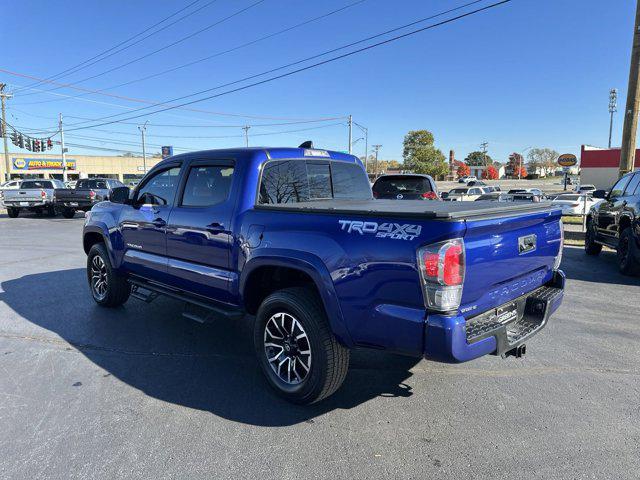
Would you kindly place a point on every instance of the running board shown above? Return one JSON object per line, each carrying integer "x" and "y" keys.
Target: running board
{"x": 197, "y": 309}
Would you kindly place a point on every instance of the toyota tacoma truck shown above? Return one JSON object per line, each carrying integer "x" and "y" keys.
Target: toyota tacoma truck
{"x": 294, "y": 237}
{"x": 86, "y": 193}
{"x": 36, "y": 195}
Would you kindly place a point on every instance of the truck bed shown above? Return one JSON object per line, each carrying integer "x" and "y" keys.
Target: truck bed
{"x": 414, "y": 208}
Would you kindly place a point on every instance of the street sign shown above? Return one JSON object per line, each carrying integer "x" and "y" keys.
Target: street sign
{"x": 167, "y": 151}
{"x": 567, "y": 160}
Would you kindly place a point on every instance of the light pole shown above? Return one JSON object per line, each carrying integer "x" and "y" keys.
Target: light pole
{"x": 143, "y": 129}
{"x": 613, "y": 107}
{"x": 365, "y": 130}
{"x": 521, "y": 158}
{"x": 376, "y": 148}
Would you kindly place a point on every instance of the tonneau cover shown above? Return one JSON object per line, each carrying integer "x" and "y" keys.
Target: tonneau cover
{"x": 414, "y": 208}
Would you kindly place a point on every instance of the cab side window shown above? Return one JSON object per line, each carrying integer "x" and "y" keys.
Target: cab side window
{"x": 207, "y": 186}
{"x": 160, "y": 189}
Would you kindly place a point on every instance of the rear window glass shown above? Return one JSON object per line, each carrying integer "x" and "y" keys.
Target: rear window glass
{"x": 36, "y": 184}
{"x": 459, "y": 190}
{"x": 319, "y": 177}
{"x": 294, "y": 181}
{"x": 569, "y": 197}
{"x": 402, "y": 184}
{"x": 91, "y": 184}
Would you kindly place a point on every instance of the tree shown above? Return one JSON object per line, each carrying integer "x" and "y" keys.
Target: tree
{"x": 463, "y": 170}
{"x": 420, "y": 155}
{"x": 515, "y": 162}
{"x": 478, "y": 159}
{"x": 544, "y": 159}
{"x": 490, "y": 173}
{"x": 523, "y": 173}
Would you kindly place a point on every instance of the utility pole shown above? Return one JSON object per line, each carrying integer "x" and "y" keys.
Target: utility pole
{"x": 4, "y": 172}
{"x": 484, "y": 146}
{"x": 350, "y": 131}
{"x": 376, "y": 148}
{"x": 143, "y": 130}
{"x": 63, "y": 151}
{"x": 246, "y": 134}
{"x": 613, "y": 107}
{"x": 628, "y": 150}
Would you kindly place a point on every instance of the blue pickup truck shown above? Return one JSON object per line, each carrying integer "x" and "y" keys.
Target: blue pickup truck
{"x": 294, "y": 237}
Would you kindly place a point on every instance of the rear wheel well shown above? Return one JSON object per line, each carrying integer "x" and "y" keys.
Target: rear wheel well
{"x": 263, "y": 281}
{"x": 90, "y": 239}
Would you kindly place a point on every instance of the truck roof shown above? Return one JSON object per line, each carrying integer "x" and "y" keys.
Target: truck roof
{"x": 265, "y": 153}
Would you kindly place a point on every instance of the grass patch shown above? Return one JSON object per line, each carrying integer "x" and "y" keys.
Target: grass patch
{"x": 572, "y": 220}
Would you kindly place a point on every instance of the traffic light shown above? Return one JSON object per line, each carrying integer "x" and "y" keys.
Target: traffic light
{"x": 49, "y": 144}
{"x": 20, "y": 140}
{"x": 2, "y": 129}
{"x": 14, "y": 138}
{"x": 43, "y": 145}
{"x": 36, "y": 145}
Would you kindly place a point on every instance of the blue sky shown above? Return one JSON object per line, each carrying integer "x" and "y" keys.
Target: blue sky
{"x": 528, "y": 73}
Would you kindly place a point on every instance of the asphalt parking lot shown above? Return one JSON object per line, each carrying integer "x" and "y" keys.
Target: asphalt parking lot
{"x": 140, "y": 392}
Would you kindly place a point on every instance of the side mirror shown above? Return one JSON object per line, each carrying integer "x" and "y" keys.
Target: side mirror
{"x": 120, "y": 195}
{"x": 599, "y": 194}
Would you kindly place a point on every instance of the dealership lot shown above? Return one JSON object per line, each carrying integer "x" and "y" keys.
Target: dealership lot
{"x": 140, "y": 391}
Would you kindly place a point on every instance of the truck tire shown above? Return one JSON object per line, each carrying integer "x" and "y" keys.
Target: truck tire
{"x": 13, "y": 212}
{"x": 627, "y": 253}
{"x": 296, "y": 349}
{"x": 108, "y": 289}
{"x": 68, "y": 213}
{"x": 590, "y": 245}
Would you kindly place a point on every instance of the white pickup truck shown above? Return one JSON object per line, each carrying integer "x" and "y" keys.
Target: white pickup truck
{"x": 465, "y": 194}
{"x": 35, "y": 195}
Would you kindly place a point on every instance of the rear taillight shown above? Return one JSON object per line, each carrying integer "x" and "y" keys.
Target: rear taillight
{"x": 429, "y": 196}
{"x": 558, "y": 259}
{"x": 442, "y": 268}
{"x": 43, "y": 194}
{"x": 92, "y": 194}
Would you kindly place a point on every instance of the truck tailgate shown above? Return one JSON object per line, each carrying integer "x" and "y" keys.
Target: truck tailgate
{"x": 508, "y": 257}
{"x": 72, "y": 195}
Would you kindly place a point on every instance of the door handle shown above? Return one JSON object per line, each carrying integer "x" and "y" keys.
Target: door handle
{"x": 158, "y": 222}
{"x": 215, "y": 227}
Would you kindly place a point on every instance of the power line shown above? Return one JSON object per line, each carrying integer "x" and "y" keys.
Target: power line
{"x": 194, "y": 62}
{"x": 151, "y": 103}
{"x": 83, "y": 63}
{"x": 293, "y": 72}
{"x": 183, "y": 39}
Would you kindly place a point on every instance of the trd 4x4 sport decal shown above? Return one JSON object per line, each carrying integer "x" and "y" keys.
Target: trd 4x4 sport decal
{"x": 394, "y": 231}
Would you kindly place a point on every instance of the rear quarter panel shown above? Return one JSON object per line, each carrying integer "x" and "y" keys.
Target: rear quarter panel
{"x": 373, "y": 278}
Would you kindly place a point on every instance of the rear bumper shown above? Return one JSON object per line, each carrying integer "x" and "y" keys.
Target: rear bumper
{"x": 454, "y": 339}
{"x": 31, "y": 204}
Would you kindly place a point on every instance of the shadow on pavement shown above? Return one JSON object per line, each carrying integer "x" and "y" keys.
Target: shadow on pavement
{"x": 152, "y": 348}
{"x": 601, "y": 269}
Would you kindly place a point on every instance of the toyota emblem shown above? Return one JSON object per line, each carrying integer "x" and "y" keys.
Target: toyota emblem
{"x": 399, "y": 197}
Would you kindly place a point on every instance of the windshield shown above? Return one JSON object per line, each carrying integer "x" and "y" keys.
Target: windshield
{"x": 402, "y": 184}
{"x": 459, "y": 190}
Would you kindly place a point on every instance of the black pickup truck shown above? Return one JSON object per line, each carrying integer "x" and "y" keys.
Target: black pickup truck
{"x": 615, "y": 222}
{"x": 85, "y": 195}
